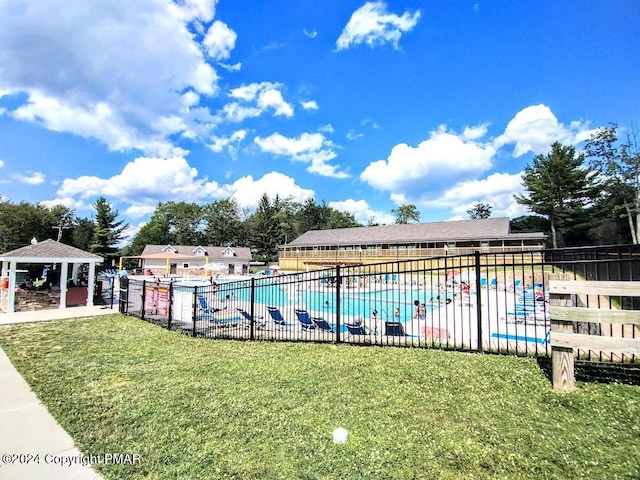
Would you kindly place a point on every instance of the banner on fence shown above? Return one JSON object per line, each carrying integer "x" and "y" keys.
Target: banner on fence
{"x": 156, "y": 301}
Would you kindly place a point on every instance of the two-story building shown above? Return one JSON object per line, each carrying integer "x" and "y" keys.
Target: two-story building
{"x": 192, "y": 260}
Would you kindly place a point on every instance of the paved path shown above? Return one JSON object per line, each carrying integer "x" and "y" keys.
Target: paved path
{"x": 26, "y": 426}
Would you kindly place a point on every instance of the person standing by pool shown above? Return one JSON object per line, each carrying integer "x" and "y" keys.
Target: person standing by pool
{"x": 416, "y": 303}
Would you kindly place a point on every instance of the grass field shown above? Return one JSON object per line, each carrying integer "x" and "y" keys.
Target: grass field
{"x": 198, "y": 409}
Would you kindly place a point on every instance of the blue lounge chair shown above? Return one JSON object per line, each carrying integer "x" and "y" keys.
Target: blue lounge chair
{"x": 305, "y": 320}
{"x": 355, "y": 329}
{"x": 205, "y": 308}
{"x": 322, "y": 324}
{"x": 277, "y": 318}
{"x": 259, "y": 320}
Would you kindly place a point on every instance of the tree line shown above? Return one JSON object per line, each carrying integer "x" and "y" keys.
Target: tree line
{"x": 275, "y": 222}
{"x": 591, "y": 197}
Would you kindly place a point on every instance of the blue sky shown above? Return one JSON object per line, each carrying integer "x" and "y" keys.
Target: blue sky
{"x": 364, "y": 105}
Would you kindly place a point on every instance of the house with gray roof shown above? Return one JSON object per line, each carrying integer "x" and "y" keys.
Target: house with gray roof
{"x": 193, "y": 259}
{"x": 384, "y": 243}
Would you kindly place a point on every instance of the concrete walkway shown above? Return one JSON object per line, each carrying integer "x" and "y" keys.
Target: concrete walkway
{"x": 32, "y": 444}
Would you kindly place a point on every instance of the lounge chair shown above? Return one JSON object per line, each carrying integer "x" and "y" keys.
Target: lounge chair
{"x": 204, "y": 307}
{"x": 355, "y": 329}
{"x": 277, "y": 318}
{"x": 394, "y": 329}
{"x": 259, "y": 320}
{"x": 322, "y": 324}
{"x": 305, "y": 320}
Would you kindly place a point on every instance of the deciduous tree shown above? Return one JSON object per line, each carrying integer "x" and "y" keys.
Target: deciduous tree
{"x": 406, "y": 214}
{"x": 480, "y": 210}
{"x": 618, "y": 166}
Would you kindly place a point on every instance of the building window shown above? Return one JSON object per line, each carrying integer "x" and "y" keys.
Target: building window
{"x": 185, "y": 265}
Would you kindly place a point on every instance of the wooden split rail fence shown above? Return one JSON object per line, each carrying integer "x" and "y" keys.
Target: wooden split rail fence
{"x": 595, "y": 302}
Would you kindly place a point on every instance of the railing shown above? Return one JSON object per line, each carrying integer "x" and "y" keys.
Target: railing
{"x": 389, "y": 254}
{"x": 494, "y": 302}
{"x": 576, "y": 304}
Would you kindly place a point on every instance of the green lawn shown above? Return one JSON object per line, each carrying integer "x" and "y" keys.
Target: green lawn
{"x": 197, "y": 409}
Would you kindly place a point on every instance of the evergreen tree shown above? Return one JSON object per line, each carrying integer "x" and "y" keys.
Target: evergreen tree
{"x": 560, "y": 189}
{"x": 108, "y": 231}
{"x": 264, "y": 231}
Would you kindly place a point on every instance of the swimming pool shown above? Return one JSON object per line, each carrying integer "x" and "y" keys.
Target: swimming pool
{"x": 392, "y": 303}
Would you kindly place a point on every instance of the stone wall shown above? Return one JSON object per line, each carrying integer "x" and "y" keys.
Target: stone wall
{"x": 30, "y": 300}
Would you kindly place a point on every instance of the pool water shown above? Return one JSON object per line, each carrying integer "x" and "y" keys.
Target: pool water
{"x": 392, "y": 304}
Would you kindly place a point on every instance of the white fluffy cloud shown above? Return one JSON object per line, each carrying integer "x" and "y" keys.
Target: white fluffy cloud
{"x": 247, "y": 191}
{"x": 362, "y": 212}
{"x": 497, "y": 190}
{"x": 218, "y": 144}
{"x": 535, "y": 128}
{"x": 413, "y": 172}
{"x": 220, "y": 40}
{"x": 373, "y": 25}
{"x": 254, "y": 99}
{"x": 420, "y": 174}
{"x": 123, "y": 96}
{"x": 309, "y": 105}
{"x": 144, "y": 181}
{"x": 30, "y": 178}
{"x": 311, "y": 148}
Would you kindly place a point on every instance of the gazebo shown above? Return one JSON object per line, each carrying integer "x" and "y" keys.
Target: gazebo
{"x": 49, "y": 254}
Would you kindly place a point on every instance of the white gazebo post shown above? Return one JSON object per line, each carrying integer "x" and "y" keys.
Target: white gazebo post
{"x": 11, "y": 307}
{"x": 74, "y": 271}
{"x": 91, "y": 284}
{"x": 64, "y": 272}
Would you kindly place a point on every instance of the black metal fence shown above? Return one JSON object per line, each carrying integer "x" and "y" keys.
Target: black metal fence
{"x": 494, "y": 302}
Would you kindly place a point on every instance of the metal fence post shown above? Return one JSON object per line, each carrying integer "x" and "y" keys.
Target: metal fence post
{"x": 338, "y": 283}
{"x": 252, "y": 309}
{"x": 144, "y": 293}
{"x": 123, "y": 295}
{"x": 195, "y": 310}
{"x": 170, "y": 308}
{"x": 480, "y": 347}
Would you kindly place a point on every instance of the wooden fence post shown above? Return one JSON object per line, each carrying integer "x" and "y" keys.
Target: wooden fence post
{"x": 562, "y": 359}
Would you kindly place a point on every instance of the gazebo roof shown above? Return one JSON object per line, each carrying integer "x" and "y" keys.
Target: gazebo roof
{"x": 50, "y": 251}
